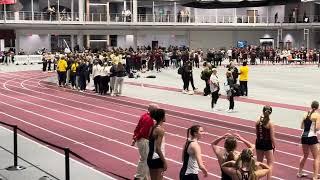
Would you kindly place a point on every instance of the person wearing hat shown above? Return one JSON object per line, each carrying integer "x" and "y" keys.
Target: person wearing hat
{"x": 265, "y": 142}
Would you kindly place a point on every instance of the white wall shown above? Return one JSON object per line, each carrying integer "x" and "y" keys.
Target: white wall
{"x": 164, "y": 39}
{"x": 210, "y": 39}
{"x": 33, "y": 42}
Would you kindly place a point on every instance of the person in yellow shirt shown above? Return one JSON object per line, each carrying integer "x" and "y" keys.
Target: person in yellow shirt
{"x": 62, "y": 70}
{"x": 73, "y": 71}
{"x": 243, "y": 78}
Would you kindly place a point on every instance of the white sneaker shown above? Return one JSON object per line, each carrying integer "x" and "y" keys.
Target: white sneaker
{"x": 229, "y": 110}
{"x": 184, "y": 92}
{"x": 191, "y": 92}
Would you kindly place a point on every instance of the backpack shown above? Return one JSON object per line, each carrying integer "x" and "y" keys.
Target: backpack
{"x": 180, "y": 70}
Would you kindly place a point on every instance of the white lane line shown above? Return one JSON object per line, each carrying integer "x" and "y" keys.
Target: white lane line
{"x": 131, "y": 115}
{"x": 92, "y": 133}
{"x": 70, "y": 139}
{"x": 220, "y": 120}
{"x": 182, "y": 127}
{"x": 122, "y": 130}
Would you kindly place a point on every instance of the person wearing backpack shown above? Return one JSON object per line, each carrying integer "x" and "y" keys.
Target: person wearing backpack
{"x": 205, "y": 75}
{"x": 309, "y": 140}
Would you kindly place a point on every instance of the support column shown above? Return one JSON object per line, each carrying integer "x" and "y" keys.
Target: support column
{"x": 16, "y": 16}
{"x": 32, "y": 10}
{"x": 72, "y": 10}
{"x": 108, "y": 41}
{"x": 124, "y": 5}
{"x": 175, "y": 12}
{"x": 72, "y": 42}
{"x": 88, "y": 45}
{"x": 135, "y": 40}
{"x": 134, "y": 10}
{"x": 58, "y": 9}
{"x": 80, "y": 41}
{"x": 153, "y": 17}
{"x": 235, "y": 15}
{"x": 195, "y": 15}
{"x": 81, "y": 10}
{"x": 88, "y": 11}
{"x": 108, "y": 12}
{"x": 306, "y": 37}
{"x": 279, "y": 37}
{"x": 17, "y": 42}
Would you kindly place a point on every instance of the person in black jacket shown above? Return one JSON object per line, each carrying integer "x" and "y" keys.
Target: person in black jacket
{"x": 82, "y": 75}
{"x": 121, "y": 73}
{"x": 230, "y": 91}
{"x": 205, "y": 75}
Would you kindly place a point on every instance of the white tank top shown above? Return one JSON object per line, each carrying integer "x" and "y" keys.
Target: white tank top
{"x": 193, "y": 167}
{"x": 155, "y": 154}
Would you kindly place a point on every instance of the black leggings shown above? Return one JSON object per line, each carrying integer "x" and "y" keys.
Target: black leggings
{"x": 190, "y": 177}
{"x": 231, "y": 102}
{"x": 62, "y": 78}
{"x": 215, "y": 97}
{"x": 244, "y": 87}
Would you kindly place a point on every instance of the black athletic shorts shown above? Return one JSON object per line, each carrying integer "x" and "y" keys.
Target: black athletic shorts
{"x": 155, "y": 163}
{"x": 309, "y": 140}
{"x": 190, "y": 177}
{"x": 264, "y": 145}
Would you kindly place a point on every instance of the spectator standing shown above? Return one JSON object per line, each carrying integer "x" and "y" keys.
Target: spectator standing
{"x": 121, "y": 73}
{"x": 62, "y": 70}
{"x": 214, "y": 88}
{"x": 141, "y": 139}
{"x": 244, "y": 71}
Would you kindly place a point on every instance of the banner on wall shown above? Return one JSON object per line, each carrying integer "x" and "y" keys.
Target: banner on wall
{"x": 1, "y": 44}
{"x": 7, "y": 1}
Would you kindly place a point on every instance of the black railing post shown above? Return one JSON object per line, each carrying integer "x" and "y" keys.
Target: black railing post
{"x": 15, "y": 146}
{"x": 67, "y": 163}
{"x": 15, "y": 166}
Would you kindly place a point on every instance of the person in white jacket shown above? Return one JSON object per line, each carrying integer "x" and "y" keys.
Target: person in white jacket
{"x": 96, "y": 75}
{"x": 214, "y": 88}
{"x": 104, "y": 78}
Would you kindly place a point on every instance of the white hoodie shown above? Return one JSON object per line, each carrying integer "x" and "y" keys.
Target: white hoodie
{"x": 96, "y": 70}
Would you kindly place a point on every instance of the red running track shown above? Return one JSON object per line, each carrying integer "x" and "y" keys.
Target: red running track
{"x": 99, "y": 128}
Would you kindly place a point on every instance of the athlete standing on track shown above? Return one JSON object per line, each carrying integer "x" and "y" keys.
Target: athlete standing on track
{"x": 265, "y": 142}
{"x": 191, "y": 155}
{"x": 245, "y": 167}
{"x": 140, "y": 137}
{"x": 228, "y": 152}
{"x": 309, "y": 140}
{"x": 156, "y": 160}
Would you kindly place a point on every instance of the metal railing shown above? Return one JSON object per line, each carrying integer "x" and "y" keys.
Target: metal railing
{"x": 66, "y": 150}
{"x": 25, "y": 16}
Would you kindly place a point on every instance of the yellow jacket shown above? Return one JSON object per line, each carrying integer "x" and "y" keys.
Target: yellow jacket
{"x": 62, "y": 65}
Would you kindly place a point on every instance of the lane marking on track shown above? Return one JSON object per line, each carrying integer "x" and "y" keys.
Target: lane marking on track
{"x": 129, "y": 114}
{"x": 202, "y": 142}
{"x": 168, "y": 144}
{"x": 206, "y": 117}
{"x": 72, "y": 140}
{"x": 78, "y": 128}
{"x": 173, "y": 146}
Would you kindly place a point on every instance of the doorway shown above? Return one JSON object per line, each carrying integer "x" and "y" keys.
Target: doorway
{"x": 155, "y": 44}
